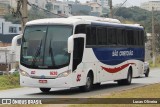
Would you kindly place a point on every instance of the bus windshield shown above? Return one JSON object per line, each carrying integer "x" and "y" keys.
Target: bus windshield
{"x": 45, "y": 46}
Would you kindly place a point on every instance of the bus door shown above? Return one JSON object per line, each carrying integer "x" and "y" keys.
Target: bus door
{"x": 78, "y": 65}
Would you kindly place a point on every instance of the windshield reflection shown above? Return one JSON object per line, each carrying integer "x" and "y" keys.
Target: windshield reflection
{"x": 45, "y": 46}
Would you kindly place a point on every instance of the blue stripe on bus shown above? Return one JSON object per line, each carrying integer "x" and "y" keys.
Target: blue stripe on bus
{"x": 115, "y": 56}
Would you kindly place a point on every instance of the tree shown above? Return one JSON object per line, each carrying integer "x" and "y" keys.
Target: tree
{"x": 157, "y": 37}
{"x": 49, "y": 6}
{"x": 9, "y": 17}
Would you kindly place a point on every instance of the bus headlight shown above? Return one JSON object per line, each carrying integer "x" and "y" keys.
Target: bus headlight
{"x": 64, "y": 74}
{"x": 24, "y": 73}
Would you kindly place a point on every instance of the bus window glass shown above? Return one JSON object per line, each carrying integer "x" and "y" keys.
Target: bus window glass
{"x": 112, "y": 37}
{"x": 102, "y": 36}
{"x": 88, "y": 35}
{"x": 93, "y": 36}
{"x": 120, "y": 37}
{"x": 130, "y": 37}
{"x": 80, "y": 29}
{"x": 136, "y": 37}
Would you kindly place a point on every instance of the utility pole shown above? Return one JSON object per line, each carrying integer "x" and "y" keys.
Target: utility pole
{"x": 153, "y": 39}
{"x": 111, "y": 8}
{"x": 24, "y": 13}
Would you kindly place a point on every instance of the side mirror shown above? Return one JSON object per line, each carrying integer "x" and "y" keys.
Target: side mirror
{"x": 14, "y": 42}
{"x": 71, "y": 41}
{"x": 70, "y": 44}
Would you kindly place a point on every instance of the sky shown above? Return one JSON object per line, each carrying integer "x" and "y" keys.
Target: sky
{"x": 128, "y": 3}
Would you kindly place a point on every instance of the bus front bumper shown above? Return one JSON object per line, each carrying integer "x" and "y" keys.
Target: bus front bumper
{"x": 63, "y": 82}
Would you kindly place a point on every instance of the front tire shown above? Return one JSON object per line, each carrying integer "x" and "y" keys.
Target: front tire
{"x": 45, "y": 90}
{"x": 89, "y": 84}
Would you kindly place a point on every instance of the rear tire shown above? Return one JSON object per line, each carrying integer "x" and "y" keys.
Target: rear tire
{"x": 45, "y": 90}
{"x": 147, "y": 73}
{"x": 89, "y": 84}
{"x": 126, "y": 81}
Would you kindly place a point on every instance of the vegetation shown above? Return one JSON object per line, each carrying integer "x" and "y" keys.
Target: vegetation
{"x": 9, "y": 81}
{"x": 151, "y": 91}
{"x": 157, "y": 62}
{"x": 49, "y": 6}
{"x": 138, "y": 15}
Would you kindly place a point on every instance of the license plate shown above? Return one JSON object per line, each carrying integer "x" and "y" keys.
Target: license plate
{"x": 43, "y": 81}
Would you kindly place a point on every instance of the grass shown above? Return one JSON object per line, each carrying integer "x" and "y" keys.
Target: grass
{"x": 9, "y": 81}
{"x": 157, "y": 62}
{"x": 21, "y": 105}
{"x": 151, "y": 91}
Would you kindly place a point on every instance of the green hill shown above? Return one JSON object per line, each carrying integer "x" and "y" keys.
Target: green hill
{"x": 138, "y": 15}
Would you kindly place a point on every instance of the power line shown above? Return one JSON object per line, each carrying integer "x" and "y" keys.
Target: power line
{"x": 120, "y": 7}
{"x": 30, "y": 4}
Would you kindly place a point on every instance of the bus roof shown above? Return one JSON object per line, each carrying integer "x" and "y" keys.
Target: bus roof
{"x": 79, "y": 20}
{"x": 68, "y": 21}
{"x": 128, "y": 26}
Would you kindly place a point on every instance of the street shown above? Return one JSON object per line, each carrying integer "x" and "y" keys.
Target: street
{"x": 109, "y": 87}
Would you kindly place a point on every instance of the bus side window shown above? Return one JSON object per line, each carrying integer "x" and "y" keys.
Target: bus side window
{"x": 93, "y": 35}
{"x": 102, "y": 36}
{"x": 140, "y": 38}
{"x": 136, "y": 38}
{"x": 88, "y": 35}
{"x": 112, "y": 37}
{"x": 142, "y": 34}
{"x": 130, "y": 37}
{"x": 109, "y": 36}
{"x": 124, "y": 37}
{"x": 120, "y": 37}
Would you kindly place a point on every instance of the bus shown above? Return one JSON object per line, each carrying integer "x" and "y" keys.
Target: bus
{"x": 80, "y": 51}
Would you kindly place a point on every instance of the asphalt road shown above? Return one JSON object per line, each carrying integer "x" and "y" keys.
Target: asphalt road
{"x": 108, "y": 87}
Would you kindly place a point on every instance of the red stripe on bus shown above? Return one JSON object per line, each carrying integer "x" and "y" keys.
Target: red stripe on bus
{"x": 116, "y": 69}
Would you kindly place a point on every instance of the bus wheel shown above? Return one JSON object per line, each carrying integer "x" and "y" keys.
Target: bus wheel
{"x": 97, "y": 85}
{"x": 45, "y": 90}
{"x": 147, "y": 73}
{"x": 89, "y": 84}
{"x": 126, "y": 81}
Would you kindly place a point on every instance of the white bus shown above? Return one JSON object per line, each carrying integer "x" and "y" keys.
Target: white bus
{"x": 80, "y": 52}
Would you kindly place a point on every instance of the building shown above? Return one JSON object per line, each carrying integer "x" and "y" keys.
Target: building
{"x": 7, "y": 59}
{"x": 40, "y": 3}
{"x": 148, "y": 5}
{"x": 8, "y": 31}
{"x": 12, "y": 3}
{"x": 103, "y": 3}
{"x": 95, "y": 8}
{"x": 9, "y": 28}
{"x": 4, "y": 7}
{"x": 80, "y": 9}
{"x": 62, "y": 8}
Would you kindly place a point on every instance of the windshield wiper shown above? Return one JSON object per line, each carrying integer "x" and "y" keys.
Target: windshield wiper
{"x": 51, "y": 53}
{"x": 36, "y": 54}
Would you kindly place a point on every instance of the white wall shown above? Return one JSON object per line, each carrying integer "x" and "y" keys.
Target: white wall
{"x": 7, "y": 25}
{"x": 148, "y": 5}
{"x": 63, "y": 7}
{"x": 6, "y": 52}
